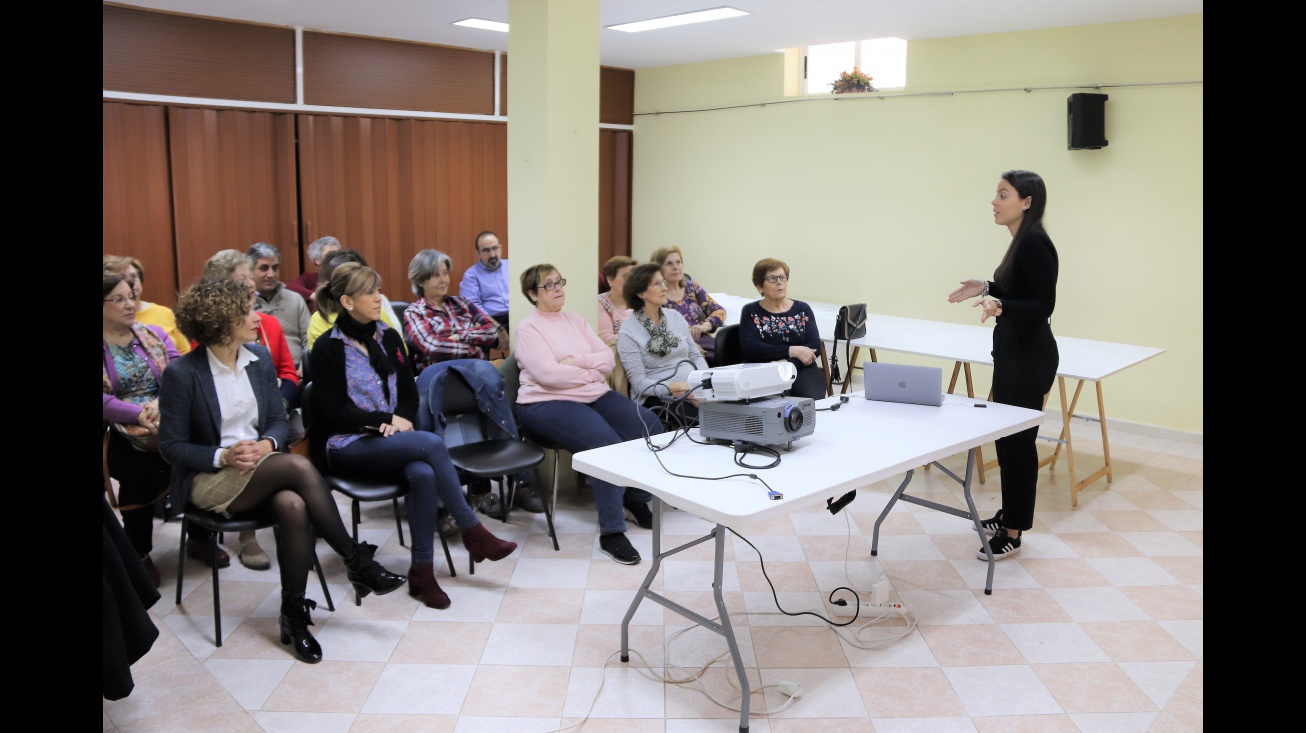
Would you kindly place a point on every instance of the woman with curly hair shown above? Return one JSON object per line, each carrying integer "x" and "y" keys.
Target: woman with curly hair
{"x": 223, "y": 424}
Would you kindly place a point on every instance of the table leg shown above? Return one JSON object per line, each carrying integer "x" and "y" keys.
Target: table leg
{"x": 655, "y": 565}
{"x": 971, "y": 457}
{"x": 1106, "y": 447}
{"x": 875, "y": 533}
{"x": 728, "y": 630}
{"x": 970, "y": 392}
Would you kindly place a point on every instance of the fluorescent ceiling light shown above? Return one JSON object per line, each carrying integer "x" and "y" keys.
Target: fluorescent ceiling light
{"x": 488, "y": 25}
{"x": 700, "y": 16}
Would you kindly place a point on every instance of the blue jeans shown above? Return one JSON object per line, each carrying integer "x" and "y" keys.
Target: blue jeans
{"x": 577, "y": 426}
{"x": 422, "y": 460}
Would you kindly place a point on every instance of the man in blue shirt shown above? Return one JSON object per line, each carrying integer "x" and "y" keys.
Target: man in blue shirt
{"x": 486, "y": 281}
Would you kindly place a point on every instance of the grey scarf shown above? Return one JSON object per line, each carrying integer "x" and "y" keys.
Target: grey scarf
{"x": 661, "y": 341}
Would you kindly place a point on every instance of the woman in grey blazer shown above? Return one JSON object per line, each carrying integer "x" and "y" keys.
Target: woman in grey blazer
{"x": 223, "y": 427}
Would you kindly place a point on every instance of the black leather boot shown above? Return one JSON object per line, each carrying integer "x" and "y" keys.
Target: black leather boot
{"x": 294, "y": 629}
{"x": 368, "y": 575}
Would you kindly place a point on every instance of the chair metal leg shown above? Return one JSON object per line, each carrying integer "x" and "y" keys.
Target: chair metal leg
{"x": 217, "y": 601}
{"x": 354, "y": 512}
{"x": 317, "y": 565}
{"x": 181, "y": 556}
{"x": 448, "y": 558}
{"x": 548, "y": 508}
{"x": 399, "y": 522}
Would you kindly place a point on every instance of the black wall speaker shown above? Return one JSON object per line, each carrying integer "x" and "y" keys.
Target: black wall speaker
{"x": 1086, "y": 121}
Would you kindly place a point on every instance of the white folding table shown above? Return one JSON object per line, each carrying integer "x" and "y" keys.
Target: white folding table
{"x": 859, "y": 444}
{"x": 1084, "y": 360}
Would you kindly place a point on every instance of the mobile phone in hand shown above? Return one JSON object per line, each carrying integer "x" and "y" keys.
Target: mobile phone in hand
{"x": 373, "y": 429}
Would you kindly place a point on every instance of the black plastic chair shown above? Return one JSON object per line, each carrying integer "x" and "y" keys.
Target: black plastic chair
{"x": 510, "y": 370}
{"x": 727, "y": 349}
{"x": 360, "y": 490}
{"x": 399, "y": 306}
{"x": 479, "y": 449}
{"x": 217, "y": 524}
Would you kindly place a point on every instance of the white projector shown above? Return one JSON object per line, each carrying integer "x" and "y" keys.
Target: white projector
{"x": 743, "y": 381}
{"x": 769, "y": 421}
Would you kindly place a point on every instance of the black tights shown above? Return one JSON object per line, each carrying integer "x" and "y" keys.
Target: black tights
{"x": 298, "y": 497}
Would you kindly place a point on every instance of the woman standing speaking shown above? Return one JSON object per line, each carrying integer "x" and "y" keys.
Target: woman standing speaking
{"x": 1021, "y": 295}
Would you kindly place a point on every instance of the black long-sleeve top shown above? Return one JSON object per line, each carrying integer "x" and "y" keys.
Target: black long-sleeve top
{"x": 1030, "y": 294}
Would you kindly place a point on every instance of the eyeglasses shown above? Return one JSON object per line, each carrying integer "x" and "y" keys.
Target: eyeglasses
{"x": 120, "y": 300}
{"x": 551, "y": 284}
{"x": 773, "y": 279}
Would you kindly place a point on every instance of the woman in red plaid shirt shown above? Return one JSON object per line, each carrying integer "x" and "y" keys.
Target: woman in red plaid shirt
{"x": 442, "y": 326}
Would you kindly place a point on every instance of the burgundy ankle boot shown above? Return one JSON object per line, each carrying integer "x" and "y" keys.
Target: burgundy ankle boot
{"x": 422, "y": 584}
{"x": 482, "y": 545}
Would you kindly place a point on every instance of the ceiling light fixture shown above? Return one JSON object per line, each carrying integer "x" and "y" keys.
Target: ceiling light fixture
{"x": 699, "y": 16}
{"x": 487, "y": 25}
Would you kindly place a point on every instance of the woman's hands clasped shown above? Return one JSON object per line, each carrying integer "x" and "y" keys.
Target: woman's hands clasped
{"x": 397, "y": 424}
{"x": 149, "y": 417}
{"x": 803, "y": 354}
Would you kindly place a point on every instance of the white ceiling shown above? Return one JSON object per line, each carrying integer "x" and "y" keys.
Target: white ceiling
{"x": 772, "y": 25}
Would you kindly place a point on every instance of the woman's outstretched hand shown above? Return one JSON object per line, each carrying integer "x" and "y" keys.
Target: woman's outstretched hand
{"x": 968, "y": 289}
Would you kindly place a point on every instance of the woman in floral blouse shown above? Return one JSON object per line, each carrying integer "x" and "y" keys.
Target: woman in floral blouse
{"x": 703, "y": 314}
{"x": 778, "y": 328}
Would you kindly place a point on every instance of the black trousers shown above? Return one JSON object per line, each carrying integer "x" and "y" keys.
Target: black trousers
{"x": 1025, "y": 362}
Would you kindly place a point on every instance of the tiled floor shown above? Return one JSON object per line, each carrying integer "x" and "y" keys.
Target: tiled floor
{"x": 1096, "y": 626}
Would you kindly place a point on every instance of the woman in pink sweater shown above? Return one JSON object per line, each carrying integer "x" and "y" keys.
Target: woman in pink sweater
{"x": 565, "y": 399}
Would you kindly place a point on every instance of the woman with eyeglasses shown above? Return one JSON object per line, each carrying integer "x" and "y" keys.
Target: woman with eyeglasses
{"x": 564, "y": 396}
{"x": 149, "y": 314}
{"x": 703, "y": 314}
{"x": 656, "y": 348}
{"x": 778, "y": 328}
{"x": 135, "y": 357}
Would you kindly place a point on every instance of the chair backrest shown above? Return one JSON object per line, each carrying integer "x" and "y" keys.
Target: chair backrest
{"x": 510, "y": 371}
{"x": 464, "y": 423}
{"x": 308, "y": 350}
{"x": 727, "y": 346}
{"x": 399, "y": 306}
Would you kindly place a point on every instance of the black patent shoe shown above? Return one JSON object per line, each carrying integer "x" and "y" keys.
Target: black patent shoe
{"x": 294, "y": 630}
{"x": 369, "y": 576}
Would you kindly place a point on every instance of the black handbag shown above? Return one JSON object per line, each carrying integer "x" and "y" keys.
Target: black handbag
{"x": 849, "y": 324}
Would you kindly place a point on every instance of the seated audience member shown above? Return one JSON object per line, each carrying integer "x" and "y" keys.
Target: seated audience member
{"x": 227, "y": 461}
{"x": 703, "y": 314}
{"x": 613, "y": 308}
{"x": 306, "y": 284}
{"x": 232, "y": 264}
{"x": 321, "y": 322}
{"x": 442, "y": 326}
{"x": 777, "y": 328}
{"x": 656, "y": 348}
{"x": 275, "y": 300}
{"x": 564, "y": 397}
{"x": 147, "y": 314}
{"x": 485, "y": 283}
{"x": 366, "y": 400}
{"x": 135, "y": 357}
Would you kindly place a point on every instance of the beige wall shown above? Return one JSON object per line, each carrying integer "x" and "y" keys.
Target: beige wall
{"x": 888, "y": 201}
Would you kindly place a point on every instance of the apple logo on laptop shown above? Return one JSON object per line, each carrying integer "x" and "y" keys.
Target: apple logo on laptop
{"x": 903, "y": 384}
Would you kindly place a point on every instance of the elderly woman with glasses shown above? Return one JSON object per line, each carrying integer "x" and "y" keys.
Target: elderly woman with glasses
{"x": 778, "y": 328}
{"x": 656, "y": 347}
{"x": 565, "y": 397}
{"x": 135, "y": 356}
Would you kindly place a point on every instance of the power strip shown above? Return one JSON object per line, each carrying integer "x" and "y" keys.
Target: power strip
{"x": 870, "y": 610}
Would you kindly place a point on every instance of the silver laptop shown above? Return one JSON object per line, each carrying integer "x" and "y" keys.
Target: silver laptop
{"x": 918, "y": 385}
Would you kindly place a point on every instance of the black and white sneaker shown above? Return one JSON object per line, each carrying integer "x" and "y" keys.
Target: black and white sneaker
{"x": 617, "y": 547}
{"x": 992, "y": 524}
{"x": 640, "y": 512}
{"x": 1003, "y": 546}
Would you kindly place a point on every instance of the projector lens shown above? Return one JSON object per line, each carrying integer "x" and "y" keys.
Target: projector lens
{"x": 793, "y": 418}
